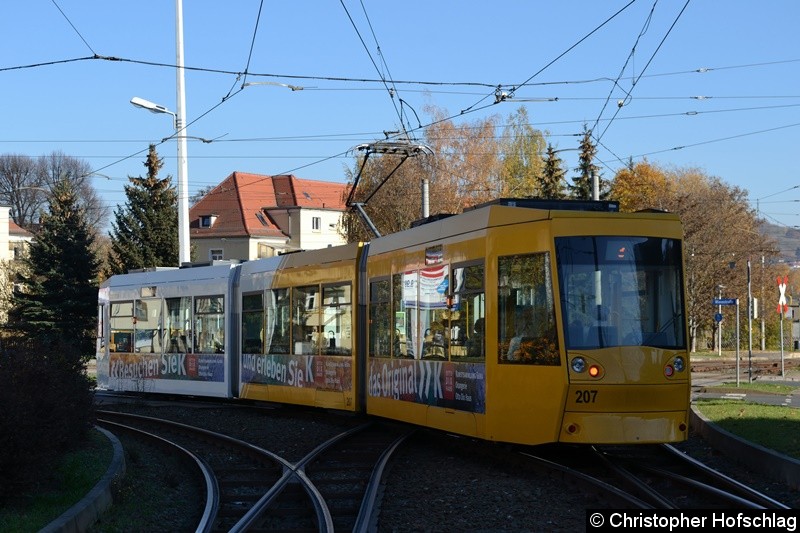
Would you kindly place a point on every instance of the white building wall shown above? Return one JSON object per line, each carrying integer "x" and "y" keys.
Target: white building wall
{"x": 326, "y": 235}
{"x": 5, "y": 244}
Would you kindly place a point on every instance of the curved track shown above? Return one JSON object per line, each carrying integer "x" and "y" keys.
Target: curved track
{"x": 654, "y": 476}
{"x": 334, "y": 487}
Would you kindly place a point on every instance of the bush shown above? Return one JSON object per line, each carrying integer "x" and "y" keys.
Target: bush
{"x": 46, "y": 407}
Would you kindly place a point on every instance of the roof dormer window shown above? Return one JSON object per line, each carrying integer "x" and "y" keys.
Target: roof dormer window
{"x": 206, "y": 221}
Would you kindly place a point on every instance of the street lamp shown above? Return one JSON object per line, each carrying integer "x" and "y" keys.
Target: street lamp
{"x": 183, "y": 186}
{"x": 154, "y": 108}
{"x": 184, "y": 252}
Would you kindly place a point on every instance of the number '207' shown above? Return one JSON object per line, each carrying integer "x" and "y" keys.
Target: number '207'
{"x": 585, "y": 396}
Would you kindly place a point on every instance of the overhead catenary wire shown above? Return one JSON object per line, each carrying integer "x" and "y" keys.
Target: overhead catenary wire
{"x": 74, "y": 28}
{"x": 390, "y": 90}
{"x": 625, "y": 65}
{"x": 532, "y": 83}
{"x": 649, "y": 61}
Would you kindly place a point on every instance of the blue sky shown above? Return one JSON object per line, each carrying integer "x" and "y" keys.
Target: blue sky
{"x": 712, "y": 84}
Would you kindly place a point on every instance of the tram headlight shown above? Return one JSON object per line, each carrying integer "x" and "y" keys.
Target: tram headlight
{"x": 578, "y": 364}
{"x": 679, "y": 364}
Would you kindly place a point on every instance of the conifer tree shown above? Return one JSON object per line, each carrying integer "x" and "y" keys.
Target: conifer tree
{"x": 56, "y": 304}
{"x": 581, "y": 189}
{"x": 145, "y": 231}
{"x": 552, "y": 182}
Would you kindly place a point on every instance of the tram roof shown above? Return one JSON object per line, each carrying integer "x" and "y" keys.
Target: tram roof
{"x": 500, "y": 212}
{"x": 158, "y": 275}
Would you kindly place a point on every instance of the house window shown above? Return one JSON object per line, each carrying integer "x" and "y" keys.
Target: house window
{"x": 215, "y": 254}
{"x": 206, "y": 221}
{"x": 316, "y": 223}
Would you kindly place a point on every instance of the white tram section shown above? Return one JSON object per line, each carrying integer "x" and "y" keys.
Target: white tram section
{"x": 167, "y": 330}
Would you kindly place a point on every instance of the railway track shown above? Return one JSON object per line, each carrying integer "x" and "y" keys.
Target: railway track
{"x": 771, "y": 367}
{"x": 653, "y": 477}
{"x": 334, "y": 487}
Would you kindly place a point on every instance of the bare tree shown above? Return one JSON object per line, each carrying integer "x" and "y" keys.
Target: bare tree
{"x": 26, "y": 182}
{"x": 57, "y": 166}
{"x": 21, "y": 188}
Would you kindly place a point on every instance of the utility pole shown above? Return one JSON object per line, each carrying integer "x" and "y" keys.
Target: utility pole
{"x": 749, "y": 326}
{"x": 180, "y": 127}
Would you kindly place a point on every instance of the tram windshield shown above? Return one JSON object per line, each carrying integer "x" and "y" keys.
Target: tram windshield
{"x": 621, "y": 291}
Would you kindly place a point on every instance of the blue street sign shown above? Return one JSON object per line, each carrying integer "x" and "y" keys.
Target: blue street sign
{"x": 718, "y": 317}
{"x": 724, "y": 301}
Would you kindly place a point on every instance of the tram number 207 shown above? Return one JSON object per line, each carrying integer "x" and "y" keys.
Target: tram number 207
{"x": 585, "y": 396}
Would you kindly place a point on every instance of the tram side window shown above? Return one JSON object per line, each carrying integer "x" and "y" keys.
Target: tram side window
{"x": 336, "y": 322}
{"x": 306, "y": 326}
{"x": 121, "y": 339}
{"x": 379, "y": 319}
{"x": 253, "y": 323}
{"x": 468, "y": 313}
{"x": 209, "y": 320}
{"x": 434, "y": 314}
{"x": 402, "y": 331}
{"x": 526, "y": 311}
{"x": 148, "y": 326}
{"x": 279, "y": 321}
{"x": 178, "y": 324}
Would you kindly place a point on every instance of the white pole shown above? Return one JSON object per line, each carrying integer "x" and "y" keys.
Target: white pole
{"x": 183, "y": 165}
{"x": 595, "y": 186}
{"x": 783, "y": 373}
{"x": 749, "y": 326}
{"x": 737, "y": 342}
{"x": 426, "y": 208}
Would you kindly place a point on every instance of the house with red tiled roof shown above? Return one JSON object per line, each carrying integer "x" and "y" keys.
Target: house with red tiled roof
{"x": 250, "y": 216}
{"x": 14, "y": 240}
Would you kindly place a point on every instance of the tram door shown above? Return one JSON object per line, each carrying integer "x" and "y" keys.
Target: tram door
{"x": 529, "y": 378}
{"x": 101, "y": 342}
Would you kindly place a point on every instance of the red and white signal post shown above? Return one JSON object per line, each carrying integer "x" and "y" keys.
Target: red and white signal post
{"x": 783, "y": 308}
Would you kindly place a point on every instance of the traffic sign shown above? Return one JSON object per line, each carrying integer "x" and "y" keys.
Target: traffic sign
{"x": 718, "y": 317}
{"x": 724, "y": 301}
{"x": 782, "y": 306}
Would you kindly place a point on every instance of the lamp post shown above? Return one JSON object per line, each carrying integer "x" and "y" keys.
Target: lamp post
{"x": 184, "y": 255}
{"x": 183, "y": 197}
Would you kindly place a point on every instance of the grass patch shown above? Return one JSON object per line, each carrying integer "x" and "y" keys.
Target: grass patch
{"x": 765, "y": 387}
{"x": 72, "y": 477}
{"x": 772, "y": 426}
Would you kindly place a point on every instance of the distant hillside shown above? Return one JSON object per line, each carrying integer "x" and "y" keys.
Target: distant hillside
{"x": 787, "y": 239}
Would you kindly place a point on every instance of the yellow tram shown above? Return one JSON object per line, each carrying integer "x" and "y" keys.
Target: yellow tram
{"x": 523, "y": 321}
{"x": 530, "y": 322}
